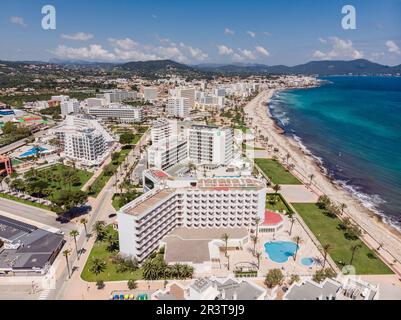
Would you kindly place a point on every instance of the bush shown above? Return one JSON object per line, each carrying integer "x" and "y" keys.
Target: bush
{"x": 100, "y": 284}
{"x": 274, "y": 278}
{"x": 322, "y": 274}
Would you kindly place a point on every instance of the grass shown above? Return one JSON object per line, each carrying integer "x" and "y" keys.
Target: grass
{"x": 83, "y": 176}
{"x": 276, "y": 202}
{"x": 243, "y": 128}
{"x": 327, "y": 230}
{"x": 30, "y": 203}
{"x": 102, "y": 179}
{"x": 276, "y": 172}
{"x": 247, "y": 147}
{"x": 99, "y": 250}
{"x": 120, "y": 200}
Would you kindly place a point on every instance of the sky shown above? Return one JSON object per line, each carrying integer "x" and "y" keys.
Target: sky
{"x": 270, "y": 32}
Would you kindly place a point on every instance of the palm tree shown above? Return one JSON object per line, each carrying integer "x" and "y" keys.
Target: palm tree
{"x": 298, "y": 240}
{"x": 292, "y": 219}
{"x": 276, "y": 188}
{"x": 98, "y": 266}
{"x": 66, "y": 253}
{"x": 132, "y": 284}
{"x": 225, "y": 238}
{"x": 75, "y": 234}
{"x": 354, "y": 249}
{"x": 311, "y": 177}
{"x": 258, "y": 255}
{"x": 257, "y": 221}
{"x": 254, "y": 240}
{"x": 84, "y": 221}
{"x": 326, "y": 249}
{"x": 343, "y": 206}
{"x": 99, "y": 229}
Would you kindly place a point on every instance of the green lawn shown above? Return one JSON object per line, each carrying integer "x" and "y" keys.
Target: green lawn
{"x": 30, "y": 203}
{"x": 99, "y": 250}
{"x": 276, "y": 202}
{"x": 326, "y": 230}
{"x": 102, "y": 179}
{"x": 247, "y": 147}
{"x": 120, "y": 200}
{"x": 276, "y": 172}
{"x": 57, "y": 188}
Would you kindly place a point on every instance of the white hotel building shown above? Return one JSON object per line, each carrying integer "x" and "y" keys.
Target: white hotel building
{"x": 117, "y": 112}
{"x": 210, "y": 145}
{"x": 168, "y": 152}
{"x": 178, "y": 107}
{"x": 163, "y": 129}
{"x": 206, "y": 203}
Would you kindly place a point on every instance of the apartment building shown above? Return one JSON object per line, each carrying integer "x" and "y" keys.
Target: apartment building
{"x": 117, "y": 112}
{"x": 116, "y": 96}
{"x": 178, "y": 107}
{"x": 163, "y": 129}
{"x": 84, "y": 140}
{"x": 207, "y": 203}
{"x": 150, "y": 93}
{"x": 168, "y": 152}
{"x": 210, "y": 145}
{"x": 188, "y": 93}
{"x": 70, "y": 106}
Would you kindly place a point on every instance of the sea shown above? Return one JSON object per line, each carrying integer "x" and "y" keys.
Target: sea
{"x": 352, "y": 126}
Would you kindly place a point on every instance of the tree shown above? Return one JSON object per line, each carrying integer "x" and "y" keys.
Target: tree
{"x": 343, "y": 206}
{"x": 97, "y": 266}
{"x": 100, "y": 230}
{"x": 225, "y": 238}
{"x": 294, "y": 278}
{"x": 274, "y": 278}
{"x": 354, "y": 248}
{"x": 69, "y": 199}
{"x": 132, "y": 284}
{"x": 75, "y": 234}
{"x": 321, "y": 274}
{"x": 311, "y": 177}
{"x": 66, "y": 253}
{"x": 100, "y": 284}
{"x": 113, "y": 243}
{"x": 254, "y": 240}
{"x": 84, "y": 221}
{"x": 258, "y": 255}
{"x": 323, "y": 202}
{"x": 298, "y": 240}
{"x": 127, "y": 138}
{"x": 326, "y": 249}
{"x": 292, "y": 220}
{"x": 276, "y": 188}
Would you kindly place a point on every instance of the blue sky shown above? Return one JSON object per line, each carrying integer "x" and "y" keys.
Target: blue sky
{"x": 271, "y": 32}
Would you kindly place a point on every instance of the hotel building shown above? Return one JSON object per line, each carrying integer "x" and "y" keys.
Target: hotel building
{"x": 163, "y": 129}
{"x": 168, "y": 152}
{"x": 117, "y": 112}
{"x": 188, "y": 93}
{"x": 178, "y": 107}
{"x": 210, "y": 145}
{"x": 205, "y": 203}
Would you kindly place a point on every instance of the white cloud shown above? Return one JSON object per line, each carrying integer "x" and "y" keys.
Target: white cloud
{"x": 80, "y": 36}
{"x": 229, "y": 31}
{"x": 248, "y": 54}
{"x": 322, "y": 40}
{"x": 19, "y": 21}
{"x": 262, "y": 51}
{"x": 393, "y": 47}
{"x": 340, "y": 49}
{"x": 251, "y": 34}
{"x": 128, "y": 49}
{"x": 92, "y": 52}
{"x": 224, "y": 50}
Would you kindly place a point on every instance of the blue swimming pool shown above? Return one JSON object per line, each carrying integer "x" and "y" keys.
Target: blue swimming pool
{"x": 32, "y": 152}
{"x": 307, "y": 261}
{"x": 280, "y": 251}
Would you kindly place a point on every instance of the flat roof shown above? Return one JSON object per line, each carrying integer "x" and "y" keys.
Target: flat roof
{"x": 149, "y": 202}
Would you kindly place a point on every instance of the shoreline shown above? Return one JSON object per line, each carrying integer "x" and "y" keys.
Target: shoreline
{"x": 376, "y": 231}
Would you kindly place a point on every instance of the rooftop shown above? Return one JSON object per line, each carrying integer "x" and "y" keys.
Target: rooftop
{"x": 148, "y": 201}
{"x": 272, "y": 218}
{"x": 222, "y": 184}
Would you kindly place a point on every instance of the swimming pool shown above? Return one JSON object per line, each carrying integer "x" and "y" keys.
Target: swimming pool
{"x": 32, "y": 152}
{"x": 280, "y": 251}
{"x": 307, "y": 261}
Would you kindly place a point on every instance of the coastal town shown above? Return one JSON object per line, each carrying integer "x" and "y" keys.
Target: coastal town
{"x": 178, "y": 189}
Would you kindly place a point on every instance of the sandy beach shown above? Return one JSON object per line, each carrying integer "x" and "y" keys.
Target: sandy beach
{"x": 375, "y": 231}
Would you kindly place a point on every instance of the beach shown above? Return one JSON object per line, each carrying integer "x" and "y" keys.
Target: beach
{"x": 376, "y": 233}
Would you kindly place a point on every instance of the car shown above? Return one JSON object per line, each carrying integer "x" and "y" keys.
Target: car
{"x": 112, "y": 215}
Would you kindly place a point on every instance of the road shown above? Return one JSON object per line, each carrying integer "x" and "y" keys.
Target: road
{"x": 34, "y": 214}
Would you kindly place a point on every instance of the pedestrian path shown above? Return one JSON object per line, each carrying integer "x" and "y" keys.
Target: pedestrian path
{"x": 44, "y": 295}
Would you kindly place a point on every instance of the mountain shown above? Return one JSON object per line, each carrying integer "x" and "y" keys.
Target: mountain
{"x": 328, "y": 67}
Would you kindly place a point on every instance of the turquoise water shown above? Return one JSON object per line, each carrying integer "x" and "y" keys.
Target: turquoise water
{"x": 353, "y": 126}
{"x": 307, "y": 261}
{"x": 32, "y": 152}
{"x": 280, "y": 251}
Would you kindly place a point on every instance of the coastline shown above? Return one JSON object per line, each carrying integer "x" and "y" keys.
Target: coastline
{"x": 376, "y": 231}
